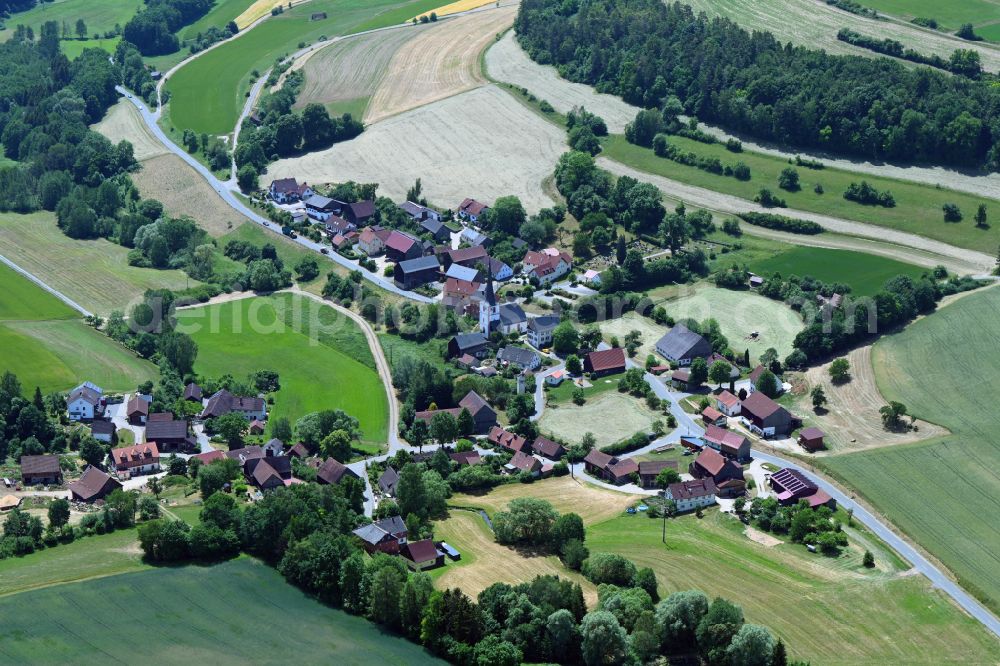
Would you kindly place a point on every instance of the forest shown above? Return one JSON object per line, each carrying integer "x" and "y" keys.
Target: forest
{"x": 647, "y": 51}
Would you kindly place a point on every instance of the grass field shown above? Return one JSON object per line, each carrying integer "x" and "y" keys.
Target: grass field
{"x": 949, "y": 15}
{"x": 208, "y": 93}
{"x": 99, "y": 15}
{"x": 221, "y": 13}
{"x": 94, "y": 273}
{"x": 918, "y": 207}
{"x": 290, "y": 252}
{"x": 200, "y": 615}
{"x": 865, "y": 273}
{"x": 71, "y": 48}
{"x": 23, "y": 299}
{"x": 321, "y": 357}
{"x": 828, "y": 611}
{"x": 631, "y": 321}
{"x": 943, "y": 493}
{"x": 611, "y": 417}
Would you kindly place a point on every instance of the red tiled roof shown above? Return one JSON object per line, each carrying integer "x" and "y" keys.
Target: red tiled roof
{"x": 456, "y": 287}
{"x": 210, "y": 456}
{"x": 714, "y": 433}
{"x": 506, "y": 439}
{"x": 525, "y": 463}
{"x": 42, "y": 465}
{"x": 710, "y": 460}
{"x": 811, "y": 433}
{"x": 712, "y": 414}
{"x": 624, "y": 468}
{"x": 399, "y": 241}
{"x": 547, "y": 447}
{"x": 598, "y": 458}
{"x": 609, "y": 359}
{"x": 420, "y": 552}
{"x": 728, "y": 399}
{"x": 467, "y": 254}
{"x": 135, "y": 455}
{"x": 759, "y": 405}
{"x": 692, "y": 489}
{"x": 472, "y": 207}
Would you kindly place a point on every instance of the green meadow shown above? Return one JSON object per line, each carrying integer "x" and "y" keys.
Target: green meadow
{"x": 99, "y": 15}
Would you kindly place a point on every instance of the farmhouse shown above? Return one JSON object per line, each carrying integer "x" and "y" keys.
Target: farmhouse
{"x": 792, "y": 486}
{"x": 387, "y": 481}
{"x": 137, "y": 410}
{"x": 40, "y": 469}
{"x": 193, "y": 393}
{"x": 464, "y": 273}
{"x": 811, "y": 439}
{"x": 137, "y": 459}
{"x": 764, "y": 416}
{"x": 420, "y": 212}
{"x": 548, "y": 448}
{"x": 370, "y": 242}
{"x": 682, "y": 345}
{"x": 650, "y": 469}
{"x": 523, "y": 359}
{"x": 482, "y": 414}
{"x": 223, "y": 402}
{"x": 730, "y": 444}
{"x": 471, "y": 210}
{"x": 92, "y": 486}
{"x": 621, "y": 471}
{"x": 540, "y": 330}
{"x": 467, "y": 458}
{"x": 321, "y": 208}
{"x": 288, "y": 190}
{"x": 401, "y": 246}
{"x": 712, "y": 416}
{"x": 680, "y": 378}
{"x": 596, "y": 462}
{"x": 168, "y": 433}
{"x": 333, "y": 472}
{"x": 461, "y": 296}
{"x": 383, "y": 536}
{"x": 498, "y": 269}
{"x": 691, "y": 495}
{"x": 525, "y": 463}
{"x": 358, "y": 213}
{"x": 85, "y": 402}
{"x": 728, "y": 403}
{"x": 466, "y": 256}
{"x": 103, "y": 431}
{"x": 475, "y": 344}
{"x": 420, "y": 555}
{"x": 506, "y": 439}
{"x": 413, "y": 273}
{"x": 546, "y": 266}
{"x": 606, "y": 362}
{"x": 710, "y": 463}
{"x": 474, "y": 238}
{"x": 611, "y": 469}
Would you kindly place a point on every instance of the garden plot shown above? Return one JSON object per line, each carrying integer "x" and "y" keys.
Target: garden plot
{"x": 482, "y": 143}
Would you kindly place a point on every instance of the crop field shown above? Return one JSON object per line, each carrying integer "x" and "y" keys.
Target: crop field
{"x": 815, "y": 25}
{"x": 208, "y": 94}
{"x": 485, "y": 562}
{"x": 123, "y": 122}
{"x": 917, "y": 210}
{"x": 349, "y": 71}
{"x": 99, "y": 15}
{"x": 631, "y": 321}
{"x": 459, "y": 6}
{"x": 506, "y": 61}
{"x": 739, "y": 313}
{"x": 182, "y": 191}
{"x": 221, "y": 13}
{"x": 321, "y": 357}
{"x": 864, "y": 273}
{"x": 94, "y": 273}
{"x": 482, "y": 142}
{"x": 611, "y": 417}
{"x": 943, "y": 493}
{"x": 438, "y": 63}
{"x": 193, "y": 611}
{"x": 949, "y": 15}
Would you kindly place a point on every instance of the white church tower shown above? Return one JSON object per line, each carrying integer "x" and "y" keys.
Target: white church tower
{"x": 489, "y": 311}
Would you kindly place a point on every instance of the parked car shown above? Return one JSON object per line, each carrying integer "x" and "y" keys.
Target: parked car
{"x": 324, "y": 250}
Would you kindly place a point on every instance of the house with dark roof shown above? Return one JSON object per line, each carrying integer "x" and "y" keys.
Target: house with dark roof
{"x": 712, "y": 464}
{"x": 483, "y": 416}
{"x": 103, "y": 431}
{"x": 332, "y": 472}
{"x": 400, "y": 246}
{"x": 41, "y": 469}
{"x": 223, "y": 402}
{"x": 387, "y": 481}
{"x": 620, "y": 472}
{"x": 321, "y": 208}
{"x": 412, "y": 273}
{"x": 505, "y": 439}
{"x": 338, "y": 225}
{"x": 680, "y": 378}
{"x": 168, "y": 433}
{"x": 299, "y": 451}
{"x": 137, "y": 410}
{"x": 421, "y": 555}
{"x": 605, "y": 362}
{"x": 382, "y": 536}
{"x": 469, "y": 257}
{"x": 691, "y": 495}
{"x": 85, "y": 402}
{"x": 764, "y": 416}
{"x": 474, "y": 344}
{"x": 596, "y": 462}
{"x": 524, "y": 463}
{"x": 472, "y": 210}
{"x": 193, "y": 392}
{"x": 730, "y": 444}
{"x": 546, "y": 447}
{"x": 288, "y": 190}
{"x": 811, "y": 439}
{"x": 792, "y": 486}
{"x": 439, "y": 233}
{"x": 262, "y": 474}
{"x": 358, "y": 213}
{"x": 498, "y": 269}
{"x": 522, "y": 359}
{"x": 419, "y": 212}
{"x": 466, "y": 458}
{"x": 512, "y": 319}
{"x": 93, "y": 485}
{"x": 609, "y": 468}
{"x": 137, "y": 458}
{"x": 539, "y": 330}
{"x": 681, "y": 345}
{"x": 650, "y": 469}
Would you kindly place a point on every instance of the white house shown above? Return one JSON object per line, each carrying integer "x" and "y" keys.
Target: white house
{"x": 592, "y": 278}
{"x": 728, "y": 404}
{"x": 525, "y": 359}
{"x": 512, "y": 319}
{"x": 137, "y": 459}
{"x": 287, "y": 190}
{"x": 370, "y": 243}
{"x": 555, "y": 378}
{"x": 472, "y": 210}
{"x": 691, "y": 495}
{"x": 540, "y": 329}
{"x": 274, "y": 447}
{"x": 546, "y": 266}
{"x": 499, "y": 270}
{"x": 84, "y": 402}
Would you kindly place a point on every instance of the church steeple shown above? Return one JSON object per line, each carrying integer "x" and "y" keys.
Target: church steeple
{"x": 489, "y": 311}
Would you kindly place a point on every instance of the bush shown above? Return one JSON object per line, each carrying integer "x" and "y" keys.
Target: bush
{"x": 782, "y": 223}
{"x": 610, "y": 568}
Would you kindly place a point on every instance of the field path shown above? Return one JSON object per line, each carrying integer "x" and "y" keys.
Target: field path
{"x": 55, "y": 292}
{"x": 957, "y": 259}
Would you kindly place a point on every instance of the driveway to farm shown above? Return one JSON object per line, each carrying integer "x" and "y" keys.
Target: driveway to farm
{"x": 223, "y": 190}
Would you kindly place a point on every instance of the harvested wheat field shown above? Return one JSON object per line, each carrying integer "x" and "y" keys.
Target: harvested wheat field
{"x": 485, "y": 562}
{"x": 183, "y": 191}
{"x": 256, "y": 10}
{"x": 350, "y": 69}
{"x": 456, "y": 7}
{"x": 506, "y": 61}
{"x": 124, "y": 122}
{"x": 438, "y": 63}
{"x": 610, "y": 416}
{"x": 482, "y": 144}
{"x": 852, "y": 409}
{"x": 565, "y": 493}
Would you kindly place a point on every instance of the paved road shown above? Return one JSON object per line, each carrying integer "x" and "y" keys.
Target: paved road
{"x": 37, "y": 280}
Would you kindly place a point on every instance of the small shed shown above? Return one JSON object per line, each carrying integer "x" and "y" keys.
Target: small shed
{"x": 811, "y": 439}
{"x": 449, "y": 551}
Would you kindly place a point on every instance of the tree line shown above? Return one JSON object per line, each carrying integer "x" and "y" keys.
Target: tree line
{"x": 646, "y": 51}
{"x": 152, "y": 28}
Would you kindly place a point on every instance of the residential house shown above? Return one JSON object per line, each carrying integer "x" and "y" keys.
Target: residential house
{"x": 193, "y": 393}
{"x": 546, "y": 447}
{"x": 103, "y": 431}
{"x": 681, "y": 345}
{"x": 512, "y": 319}
{"x": 472, "y": 210}
{"x": 680, "y": 378}
{"x": 242, "y": 455}
{"x": 288, "y": 190}
{"x": 92, "y": 486}
{"x": 461, "y": 296}
{"x": 792, "y": 486}
{"x": 400, "y": 246}
{"x": 483, "y": 416}
{"x": 85, "y": 402}
{"x": 474, "y": 344}
{"x": 370, "y": 242}
{"x": 467, "y": 458}
{"x": 137, "y": 410}
{"x": 358, "y": 213}
{"x": 208, "y": 457}
{"x": 522, "y": 359}
{"x": 338, "y": 225}
{"x": 540, "y": 329}
{"x": 412, "y": 273}
{"x": 764, "y": 416}
{"x": 383, "y": 536}
{"x": 474, "y": 237}
{"x": 605, "y": 362}
{"x": 650, "y": 469}
{"x": 387, "y": 481}
{"x": 421, "y": 555}
{"x": 263, "y": 473}
{"x": 596, "y": 462}
{"x": 498, "y": 269}
{"x": 332, "y": 472}
{"x": 344, "y": 241}
{"x": 506, "y": 440}
{"x": 169, "y": 434}
{"x": 609, "y": 468}
{"x": 755, "y": 376}
{"x": 713, "y": 358}
{"x": 274, "y": 447}
{"x": 298, "y": 451}
{"x": 811, "y": 439}
{"x": 730, "y": 444}
{"x": 555, "y": 378}
{"x": 321, "y": 208}
{"x": 728, "y": 404}
{"x": 711, "y": 416}
{"x": 525, "y": 464}
{"x": 437, "y": 230}
{"x": 137, "y": 459}
{"x": 546, "y": 266}
{"x": 691, "y": 495}
{"x": 419, "y": 212}
{"x": 710, "y": 463}
{"x": 41, "y": 469}
{"x": 464, "y": 273}
{"x": 256, "y": 427}
{"x": 592, "y": 278}
{"x": 465, "y": 256}
{"x": 224, "y": 402}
